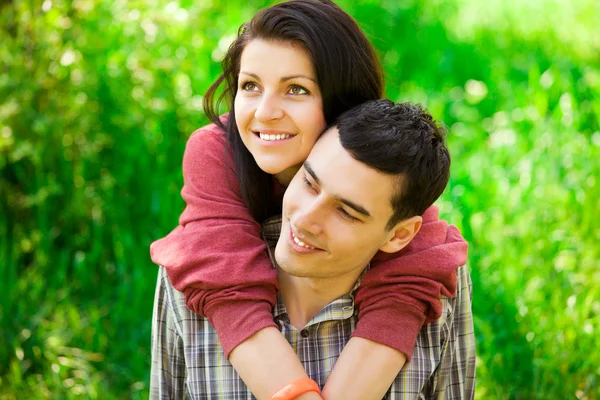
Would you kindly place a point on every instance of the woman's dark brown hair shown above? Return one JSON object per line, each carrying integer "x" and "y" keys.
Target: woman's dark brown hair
{"x": 348, "y": 73}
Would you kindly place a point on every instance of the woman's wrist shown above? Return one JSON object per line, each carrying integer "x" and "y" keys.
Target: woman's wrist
{"x": 266, "y": 363}
{"x": 298, "y": 389}
{"x": 309, "y": 396}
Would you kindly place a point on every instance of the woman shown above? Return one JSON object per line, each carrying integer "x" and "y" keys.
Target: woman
{"x": 291, "y": 71}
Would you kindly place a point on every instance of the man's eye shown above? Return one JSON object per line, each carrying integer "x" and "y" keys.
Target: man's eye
{"x": 346, "y": 215}
{"x": 297, "y": 90}
{"x": 307, "y": 183}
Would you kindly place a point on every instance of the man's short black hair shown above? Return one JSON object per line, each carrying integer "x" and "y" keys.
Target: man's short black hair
{"x": 399, "y": 139}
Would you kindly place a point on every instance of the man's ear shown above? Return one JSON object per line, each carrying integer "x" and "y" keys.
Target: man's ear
{"x": 402, "y": 234}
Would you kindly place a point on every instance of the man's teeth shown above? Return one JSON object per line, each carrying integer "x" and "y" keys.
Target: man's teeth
{"x": 301, "y": 243}
{"x": 279, "y": 136}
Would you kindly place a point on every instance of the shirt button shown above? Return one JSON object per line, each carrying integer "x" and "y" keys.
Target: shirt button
{"x": 304, "y": 333}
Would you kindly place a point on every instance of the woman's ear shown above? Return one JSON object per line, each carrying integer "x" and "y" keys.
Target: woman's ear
{"x": 402, "y": 234}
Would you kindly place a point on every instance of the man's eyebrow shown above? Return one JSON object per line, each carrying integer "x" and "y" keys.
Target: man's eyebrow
{"x": 311, "y": 172}
{"x": 283, "y": 79}
{"x": 356, "y": 207}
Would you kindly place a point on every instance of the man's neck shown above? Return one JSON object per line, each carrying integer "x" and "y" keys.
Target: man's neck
{"x": 305, "y": 297}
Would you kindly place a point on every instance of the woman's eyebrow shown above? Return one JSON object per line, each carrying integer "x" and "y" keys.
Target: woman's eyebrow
{"x": 283, "y": 79}
{"x": 287, "y": 78}
{"x": 250, "y": 74}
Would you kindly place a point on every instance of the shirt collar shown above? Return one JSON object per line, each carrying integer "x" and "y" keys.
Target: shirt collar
{"x": 339, "y": 309}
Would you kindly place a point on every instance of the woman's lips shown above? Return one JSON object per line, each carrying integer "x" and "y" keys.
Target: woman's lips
{"x": 272, "y": 136}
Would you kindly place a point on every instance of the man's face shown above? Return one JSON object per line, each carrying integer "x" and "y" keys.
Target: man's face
{"x": 335, "y": 213}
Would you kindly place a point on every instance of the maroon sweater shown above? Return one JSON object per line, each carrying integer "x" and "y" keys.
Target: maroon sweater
{"x": 217, "y": 258}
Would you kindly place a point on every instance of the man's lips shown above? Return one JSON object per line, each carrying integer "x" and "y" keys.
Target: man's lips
{"x": 302, "y": 243}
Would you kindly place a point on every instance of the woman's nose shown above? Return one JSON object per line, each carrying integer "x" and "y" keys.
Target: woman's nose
{"x": 269, "y": 108}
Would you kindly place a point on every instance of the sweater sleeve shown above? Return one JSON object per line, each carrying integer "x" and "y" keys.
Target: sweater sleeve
{"x": 216, "y": 255}
{"x": 401, "y": 292}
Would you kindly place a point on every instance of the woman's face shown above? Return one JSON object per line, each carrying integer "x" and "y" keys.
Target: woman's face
{"x": 278, "y": 106}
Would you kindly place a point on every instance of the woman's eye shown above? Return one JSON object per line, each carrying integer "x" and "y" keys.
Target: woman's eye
{"x": 249, "y": 86}
{"x": 297, "y": 90}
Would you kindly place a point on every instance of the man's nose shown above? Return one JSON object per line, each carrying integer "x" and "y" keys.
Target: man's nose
{"x": 309, "y": 219}
{"x": 269, "y": 108}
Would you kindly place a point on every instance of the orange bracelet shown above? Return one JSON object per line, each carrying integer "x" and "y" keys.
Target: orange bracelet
{"x": 296, "y": 388}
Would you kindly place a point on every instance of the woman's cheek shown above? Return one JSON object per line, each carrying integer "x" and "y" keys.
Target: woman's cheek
{"x": 243, "y": 105}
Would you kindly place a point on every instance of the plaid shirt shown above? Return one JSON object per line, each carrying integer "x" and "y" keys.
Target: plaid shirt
{"x": 188, "y": 361}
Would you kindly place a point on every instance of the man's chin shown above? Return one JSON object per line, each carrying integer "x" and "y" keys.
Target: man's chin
{"x": 286, "y": 262}
{"x": 294, "y": 272}
{"x": 282, "y": 258}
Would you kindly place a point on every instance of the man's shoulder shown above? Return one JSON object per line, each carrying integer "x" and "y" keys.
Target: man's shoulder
{"x": 464, "y": 284}
{"x": 442, "y": 347}
{"x": 453, "y": 310}
{"x": 175, "y": 303}
{"x": 463, "y": 291}
{"x": 271, "y": 229}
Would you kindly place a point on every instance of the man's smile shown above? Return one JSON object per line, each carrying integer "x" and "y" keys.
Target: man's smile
{"x": 301, "y": 246}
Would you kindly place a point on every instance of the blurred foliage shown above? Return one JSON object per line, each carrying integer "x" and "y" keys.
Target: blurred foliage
{"x": 97, "y": 100}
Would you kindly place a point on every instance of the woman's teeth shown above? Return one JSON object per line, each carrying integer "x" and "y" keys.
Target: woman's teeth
{"x": 274, "y": 137}
{"x": 301, "y": 243}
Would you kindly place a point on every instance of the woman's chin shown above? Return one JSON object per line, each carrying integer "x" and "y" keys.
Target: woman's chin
{"x": 278, "y": 168}
{"x": 271, "y": 168}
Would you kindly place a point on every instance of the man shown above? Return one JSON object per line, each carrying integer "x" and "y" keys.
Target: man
{"x": 361, "y": 191}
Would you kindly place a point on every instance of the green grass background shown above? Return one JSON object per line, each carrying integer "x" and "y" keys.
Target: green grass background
{"x": 97, "y": 99}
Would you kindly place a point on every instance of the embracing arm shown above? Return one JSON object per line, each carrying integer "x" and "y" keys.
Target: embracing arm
{"x": 264, "y": 361}
{"x": 364, "y": 370}
{"x": 399, "y": 294}
{"x": 217, "y": 258}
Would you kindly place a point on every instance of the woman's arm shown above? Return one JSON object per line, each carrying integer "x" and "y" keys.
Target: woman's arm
{"x": 216, "y": 255}
{"x": 365, "y": 370}
{"x": 217, "y": 258}
{"x": 399, "y": 294}
{"x": 266, "y": 363}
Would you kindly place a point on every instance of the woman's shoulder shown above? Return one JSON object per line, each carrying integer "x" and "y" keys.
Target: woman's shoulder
{"x": 211, "y": 130}
{"x": 208, "y": 137}
{"x": 208, "y": 149}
